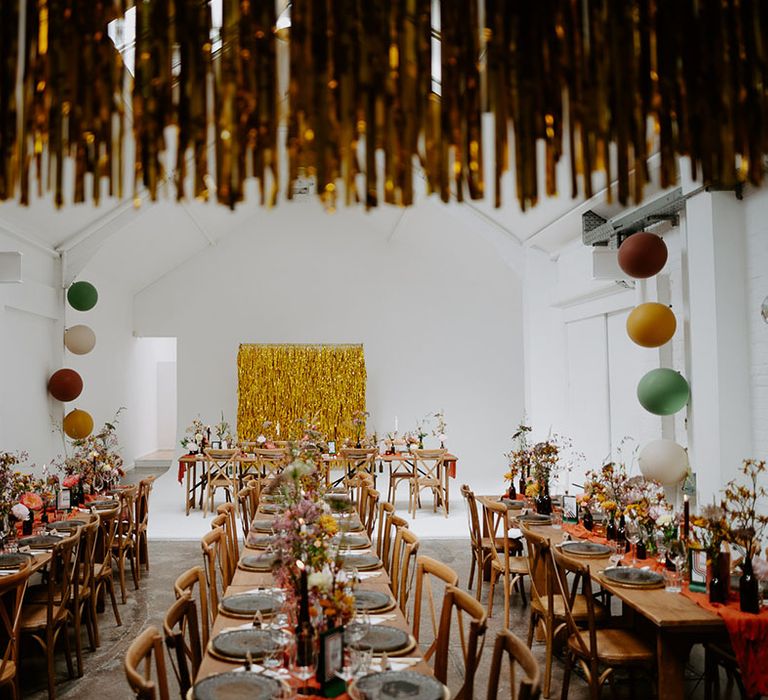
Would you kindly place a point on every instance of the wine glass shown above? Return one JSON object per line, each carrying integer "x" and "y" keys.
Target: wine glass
{"x": 275, "y": 655}
{"x": 616, "y": 554}
{"x": 303, "y": 661}
{"x": 357, "y": 627}
{"x": 661, "y": 547}
{"x": 632, "y": 530}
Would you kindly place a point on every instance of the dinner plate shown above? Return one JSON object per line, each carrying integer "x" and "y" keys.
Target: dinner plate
{"x": 65, "y": 524}
{"x": 257, "y": 562}
{"x": 272, "y": 508}
{"x": 234, "y": 645}
{"x": 259, "y": 541}
{"x": 352, "y": 540}
{"x": 13, "y": 560}
{"x": 512, "y": 504}
{"x": 399, "y": 684}
{"x": 225, "y": 686}
{"x": 631, "y": 577}
{"x": 262, "y": 525}
{"x": 385, "y": 638}
{"x": 372, "y": 600}
{"x": 360, "y": 560}
{"x": 248, "y": 604}
{"x": 535, "y": 519}
{"x": 107, "y": 503}
{"x": 39, "y": 541}
{"x": 585, "y": 549}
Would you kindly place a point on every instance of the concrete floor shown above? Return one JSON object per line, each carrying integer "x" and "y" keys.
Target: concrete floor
{"x": 104, "y": 675}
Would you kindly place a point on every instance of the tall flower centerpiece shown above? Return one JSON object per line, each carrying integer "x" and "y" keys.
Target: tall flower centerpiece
{"x": 647, "y": 506}
{"x": 607, "y": 488}
{"x": 224, "y": 433}
{"x": 709, "y": 530}
{"x": 194, "y": 436}
{"x": 746, "y": 527}
{"x": 518, "y": 461}
{"x": 544, "y": 457}
{"x": 441, "y": 428}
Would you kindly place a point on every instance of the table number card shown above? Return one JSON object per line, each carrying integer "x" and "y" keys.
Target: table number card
{"x": 63, "y": 500}
{"x": 570, "y": 509}
{"x": 331, "y": 659}
{"x": 697, "y": 565}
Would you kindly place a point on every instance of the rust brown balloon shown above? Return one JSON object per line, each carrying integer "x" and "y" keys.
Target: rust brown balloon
{"x": 65, "y": 385}
{"x": 642, "y": 255}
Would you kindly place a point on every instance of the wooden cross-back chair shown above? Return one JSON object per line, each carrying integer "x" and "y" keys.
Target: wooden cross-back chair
{"x": 182, "y": 638}
{"x": 221, "y": 472}
{"x": 225, "y": 555}
{"x": 368, "y": 510}
{"x": 47, "y": 622}
{"x": 404, "y": 554}
{"x": 147, "y": 680}
{"x": 598, "y": 652}
{"x": 356, "y": 462}
{"x": 472, "y": 640}
{"x": 12, "y": 588}
{"x": 270, "y": 461}
{"x": 518, "y": 655}
{"x": 83, "y": 600}
{"x": 385, "y": 509}
{"x": 393, "y": 524}
{"x": 185, "y": 584}
{"x": 364, "y": 485}
{"x": 142, "y": 523}
{"x": 429, "y": 473}
{"x": 248, "y": 504}
{"x": 547, "y": 606}
{"x": 426, "y": 570}
{"x": 214, "y": 564}
{"x": 504, "y": 563}
{"x": 103, "y": 579}
{"x": 229, "y": 511}
{"x": 480, "y": 553}
{"x": 124, "y": 545}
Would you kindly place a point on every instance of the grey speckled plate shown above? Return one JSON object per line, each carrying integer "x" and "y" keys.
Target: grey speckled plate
{"x": 234, "y": 645}
{"x": 39, "y": 541}
{"x": 262, "y": 525}
{"x": 585, "y": 549}
{"x": 272, "y": 508}
{"x": 353, "y": 540}
{"x": 12, "y": 560}
{"x": 255, "y": 541}
{"x": 367, "y": 599}
{"x": 226, "y": 686}
{"x": 361, "y": 561}
{"x": 512, "y": 504}
{"x": 535, "y": 519}
{"x": 257, "y": 562}
{"x": 103, "y": 504}
{"x": 248, "y": 604}
{"x": 401, "y": 684}
{"x": 632, "y": 577}
{"x": 383, "y": 638}
{"x": 65, "y": 524}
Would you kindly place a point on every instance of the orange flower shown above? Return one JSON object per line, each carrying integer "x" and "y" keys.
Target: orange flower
{"x": 31, "y": 500}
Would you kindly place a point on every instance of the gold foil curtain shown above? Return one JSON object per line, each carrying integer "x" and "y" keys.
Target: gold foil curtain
{"x": 288, "y": 383}
{"x": 607, "y": 81}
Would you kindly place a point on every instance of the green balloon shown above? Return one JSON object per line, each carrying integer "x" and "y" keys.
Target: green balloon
{"x": 663, "y": 392}
{"x": 82, "y": 296}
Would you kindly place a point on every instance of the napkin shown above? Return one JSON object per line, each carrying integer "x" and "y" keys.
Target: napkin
{"x": 402, "y": 662}
{"x": 379, "y": 619}
{"x": 363, "y": 575}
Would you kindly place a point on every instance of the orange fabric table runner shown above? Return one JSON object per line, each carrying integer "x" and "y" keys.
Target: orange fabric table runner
{"x": 749, "y": 639}
{"x": 578, "y": 530}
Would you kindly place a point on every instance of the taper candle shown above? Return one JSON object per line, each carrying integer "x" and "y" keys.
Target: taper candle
{"x": 686, "y": 517}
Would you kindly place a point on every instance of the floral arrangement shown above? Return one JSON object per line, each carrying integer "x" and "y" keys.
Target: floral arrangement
{"x": 441, "y": 427}
{"x": 709, "y": 529}
{"x": 359, "y": 419}
{"x": 646, "y": 502}
{"x": 608, "y": 488}
{"x": 544, "y": 457}
{"x": 194, "y": 437}
{"x": 17, "y": 489}
{"x": 96, "y": 460}
{"x": 519, "y": 458}
{"x": 746, "y": 526}
{"x": 223, "y": 431}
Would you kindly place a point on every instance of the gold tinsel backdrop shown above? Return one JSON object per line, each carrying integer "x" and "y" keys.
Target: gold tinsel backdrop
{"x": 288, "y": 383}
{"x": 609, "y": 81}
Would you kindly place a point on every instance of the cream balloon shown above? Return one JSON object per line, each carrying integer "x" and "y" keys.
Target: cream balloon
{"x": 79, "y": 339}
{"x": 663, "y": 461}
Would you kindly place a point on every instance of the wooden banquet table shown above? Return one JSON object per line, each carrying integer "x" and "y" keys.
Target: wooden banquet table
{"x": 244, "y": 581}
{"x": 677, "y": 621}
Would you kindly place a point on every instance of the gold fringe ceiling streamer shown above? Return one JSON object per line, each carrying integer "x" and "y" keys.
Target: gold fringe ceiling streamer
{"x": 289, "y": 383}
{"x": 607, "y": 81}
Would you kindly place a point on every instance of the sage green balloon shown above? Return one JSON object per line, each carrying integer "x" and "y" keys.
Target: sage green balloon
{"x": 82, "y": 296}
{"x": 663, "y": 392}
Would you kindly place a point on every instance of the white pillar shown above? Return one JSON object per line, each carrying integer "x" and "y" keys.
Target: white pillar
{"x": 717, "y": 362}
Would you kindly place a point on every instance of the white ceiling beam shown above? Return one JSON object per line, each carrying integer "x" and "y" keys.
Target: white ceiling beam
{"x": 28, "y": 238}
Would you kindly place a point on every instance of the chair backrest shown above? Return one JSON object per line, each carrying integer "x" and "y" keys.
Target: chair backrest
{"x": 127, "y": 498}
{"x": 403, "y": 565}
{"x": 86, "y": 558}
{"x": 229, "y": 510}
{"x": 185, "y": 585}
{"x": 138, "y": 666}
{"x": 221, "y": 465}
{"x": 368, "y": 510}
{"x": 475, "y": 531}
{"x": 426, "y": 570}
{"x": 518, "y": 654}
{"x": 142, "y": 502}
{"x": 497, "y": 527}
{"x": 471, "y": 643}
{"x": 358, "y": 459}
{"x": 385, "y": 509}
{"x": 393, "y": 524}
{"x": 109, "y": 525}
{"x": 182, "y": 637}
{"x": 428, "y": 463}
{"x": 225, "y": 556}
{"x": 541, "y": 570}
{"x": 564, "y": 567}
{"x": 61, "y": 576}
{"x": 270, "y": 461}
{"x": 12, "y": 588}
{"x": 214, "y": 564}
{"x": 248, "y": 503}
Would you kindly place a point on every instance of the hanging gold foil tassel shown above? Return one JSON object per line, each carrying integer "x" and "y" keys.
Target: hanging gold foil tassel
{"x": 9, "y": 48}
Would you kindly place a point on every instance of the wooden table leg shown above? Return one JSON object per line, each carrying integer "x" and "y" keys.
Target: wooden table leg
{"x": 671, "y": 656}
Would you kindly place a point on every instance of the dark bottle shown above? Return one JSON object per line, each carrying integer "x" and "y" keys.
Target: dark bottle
{"x": 749, "y": 600}
{"x": 716, "y": 588}
{"x": 26, "y": 525}
{"x": 522, "y": 483}
{"x": 621, "y": 532}
{"x": 640, "y": 552}
{"x": 610, "y": 529}
{"x": 511, "y": 493}
{"x": 587, "y": 519}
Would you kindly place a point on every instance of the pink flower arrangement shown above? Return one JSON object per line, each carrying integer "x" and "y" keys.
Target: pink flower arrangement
{"x": 70, "y": 481}
{"x": 31, "y": 500}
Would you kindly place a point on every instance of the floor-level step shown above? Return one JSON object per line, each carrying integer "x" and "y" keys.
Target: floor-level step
{"x": 159, "y": 459}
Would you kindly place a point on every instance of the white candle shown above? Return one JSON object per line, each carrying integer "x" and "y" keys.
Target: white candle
{"x": 395, "y": 423}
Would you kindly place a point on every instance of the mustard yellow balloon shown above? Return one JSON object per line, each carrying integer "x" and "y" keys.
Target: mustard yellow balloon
{"x": 651, "y": 324}
{"x": 78, "y": 424}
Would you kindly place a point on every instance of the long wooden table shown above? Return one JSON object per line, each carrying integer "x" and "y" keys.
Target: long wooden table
{"x": 677, "y": 621}
{"x": 246, "y": 580}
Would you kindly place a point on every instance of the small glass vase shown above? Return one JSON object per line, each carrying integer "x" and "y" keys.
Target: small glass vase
{"x": 749, "y": 594}
{"x": 543, "y": 501}
{"x": 511, "y": 493}
{"x": 715, "y": 587}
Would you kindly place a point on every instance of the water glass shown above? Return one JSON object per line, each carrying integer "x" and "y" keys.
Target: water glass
{"x": 357, "y": 627}
{"x": 557, "y": 520}
{"x": 673, "y": 581}
{"x": 360, "y": 659}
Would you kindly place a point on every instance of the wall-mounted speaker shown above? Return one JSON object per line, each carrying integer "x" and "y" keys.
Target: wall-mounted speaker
{"x": 605, "y": 265}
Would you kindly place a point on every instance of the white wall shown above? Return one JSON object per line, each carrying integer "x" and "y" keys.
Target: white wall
{"x": 436, "y": 308}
